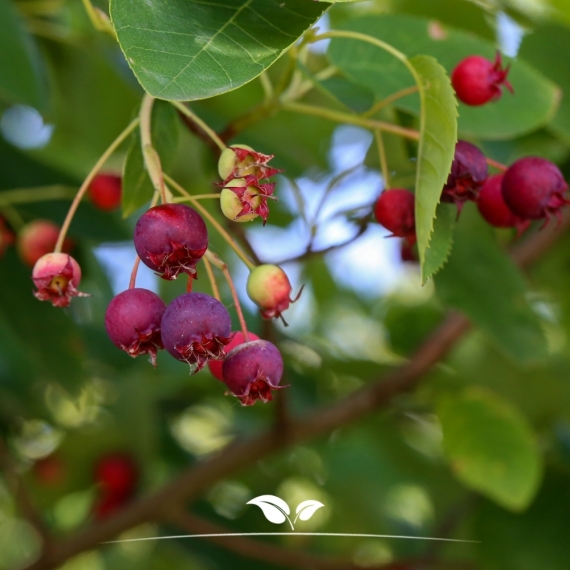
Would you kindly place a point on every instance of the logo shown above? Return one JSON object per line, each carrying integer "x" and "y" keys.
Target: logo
{"x": 277, "y": 511}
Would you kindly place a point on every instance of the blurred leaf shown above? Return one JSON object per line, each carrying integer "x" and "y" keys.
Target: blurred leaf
{"x": 137, "y": 187}
{"x": 438, "y": 135}
{"x": 23, "y": 78}
{"x": 491, "y": 447}
{"x": 441, "y": 241}
{"x": 533, "y": 105}
{"x": 482, "y": 281}
{"x": 186, "y": 49}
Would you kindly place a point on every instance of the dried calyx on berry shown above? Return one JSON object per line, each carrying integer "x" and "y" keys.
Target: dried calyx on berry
{"x": 215, "y": 366}
{"x": 243, "y": 199}
{"x": 395, "y": 211}
{"x": 469, "y": 171}
{"x": 534, "y": 188}
{"x": 493, "y": 208}
{"x": 132, "y": 322}
{"x": 268, "y": 286}
{"x": 195, "y": 328}
{"x": 57, "y": 276}
{"x": 252, "y": 370}
{"x": 170, "y": 239}
{"x": 240, "y": 160}
{"x": 477, "y": 80}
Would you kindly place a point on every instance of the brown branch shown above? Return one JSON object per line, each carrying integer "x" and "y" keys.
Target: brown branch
{"x": 237, "y": 456}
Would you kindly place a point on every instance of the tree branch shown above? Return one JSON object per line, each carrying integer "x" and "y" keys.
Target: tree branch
{"x": 376, "y": 395}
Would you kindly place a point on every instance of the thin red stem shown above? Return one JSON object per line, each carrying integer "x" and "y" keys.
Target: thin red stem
{"x": 134, "y": 272}
{"x": 497, "y": 165}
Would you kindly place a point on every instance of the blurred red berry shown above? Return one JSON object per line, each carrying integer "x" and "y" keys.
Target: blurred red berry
{"x": 50, "y": 470}
{"x": 117, "y": 474}
{"x": 37, "y": 239}
{"x": 105, "y": 192}
{"x": 6, "y": 237}
{"x": 106, "y": 505}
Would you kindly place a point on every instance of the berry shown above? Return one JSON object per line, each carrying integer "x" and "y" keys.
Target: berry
{"x": 171, "y": 238}
{"x": 534, "y": 188}
{"x": 56, "y": 276}
{"x": 117, "y": 474}
{"x": 252, "y": 370}
{"x": 195, "y": 328}
{"x": 133, "y": 320}
{"x": 477, "y": 80}
{"x": 493, "y": 208}
{"x": 37, "y": 239}
{"x": 239, "y": 160}
{"x": 469, "y": 171}
{"x": 395, "y": 211}
{"x": 407, "y": 252}
{"x": 105, "y": 192}
{"x": 6, "y": 237}
{"x": 243, "y": 199}
{"x": 268, "y": 286}
{"x": 106, "y": 505}
{"x": 215, "y": 366}
{"x": 50, "y": 470}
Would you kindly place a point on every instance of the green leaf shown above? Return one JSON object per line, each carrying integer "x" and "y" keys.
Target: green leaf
{"x": 441, "y": 241}
{"x": 438, "y": 135}
{"x": 491, "y": 447}
{"x": 483, "y": 282}
{"x": 22, "y": 79}
{"x": 137, "y": 186}
{"x": 193, "y": 49}
{"x": 533, "y": 105}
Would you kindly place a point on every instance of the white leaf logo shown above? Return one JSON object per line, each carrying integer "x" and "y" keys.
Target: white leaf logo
{"x": 276, "y": 510}
{"x": 307, "y": 509}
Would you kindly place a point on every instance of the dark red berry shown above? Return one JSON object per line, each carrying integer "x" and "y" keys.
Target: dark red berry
{"x": 493, "y": 208}
{"x": 469, "y": 171}
{"x": 215, "y": 366}
{"x": 395, "y": 211}
{"x": 407, "y": 252}
{"x": 106, "y": 505}
{"x": 252, "y": 370}
{"x": 38, "y": 238}
{"x": 117, "y": 474}
{"x": 133, "y": 320}
{"x": 6, "y": 237}
{"x": 195, "y": 328}
{"x": 56, "y": 276}
{"x": 477, "y": 80}
{"x": 534, "y": 188}
{"x": 171, "y": 238}
{"x": 105, "y": 192}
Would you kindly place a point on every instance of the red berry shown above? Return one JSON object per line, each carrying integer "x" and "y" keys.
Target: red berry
{"x": 171, "y": 238}
{"x": 215, "y": 366}
{"x": 37, "y": 239}
{"x": 195, "y": 328}
{"x": 50, "y": 470}
{"x": 407, "y": 253}
{"x": 493, "y": 208}
{"x": 106, "y": 505}
{"x": 534, "y": 188}
{"x": 252, "y": 370}
{"x": 268, "y": 286}
{"x": 469, "y": 171}
{"x": 133, "y": 320}
{"x": 56, "y": 276}
{"x": 477, "y": 80}
{"x": 6, "y": 237}
{"x": 105, "y": 191}
{"x": 117, "y": 474}
{"x": 395, "y": 211}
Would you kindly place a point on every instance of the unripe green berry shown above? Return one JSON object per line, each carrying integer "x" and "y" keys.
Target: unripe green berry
{"x": 268, "y": 286}
{"x": 228, "y": 161}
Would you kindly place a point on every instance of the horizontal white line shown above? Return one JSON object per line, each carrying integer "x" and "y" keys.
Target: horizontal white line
{"x": 230, "y": 534}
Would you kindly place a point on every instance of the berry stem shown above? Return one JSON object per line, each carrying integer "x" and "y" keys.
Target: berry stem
{"x": 192, "y": 116}
{"x": 383, "y": 159}
{"x": 81, "y": 192}
{"x": 267, "y": 86}
{"x": 134, "y": 272}
{"x": 497, "y": 165}
{"x": 212, "y": 278}
{"x": 390, "y": 99}
{"x": 224, "y": 269}
{"x": 196, "y": 197}
{"x": 39, "y": 194}
{"x": 339, "y": 117}
{"x": 99, "y": 19}
{"x": 213, "y": 221}
{"x": 151, "y": 157}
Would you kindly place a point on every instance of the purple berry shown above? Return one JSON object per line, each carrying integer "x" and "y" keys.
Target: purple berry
{"x": 469, "y": 171}
{"x": 195, "y": 329}
{"x": 171, "y": 238}
{"x": 252, "y": 370}
{"x": 133, "y": 320}
{"x": 534, "y": 188}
